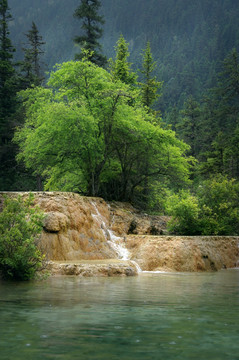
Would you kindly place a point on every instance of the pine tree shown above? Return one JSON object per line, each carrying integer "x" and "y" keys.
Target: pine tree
{"x": 121, "y": 68}
{"x": 150, "y": 85}
{"x": 227, "y": 93}
{"x": 87, "y": 12}
{"x": 189, "y": 126}
{"x": 224, "y": 149}
{"x": 31, "y": 65}
{"x": 7, "y": 99}
{"x": 7, "y": 72}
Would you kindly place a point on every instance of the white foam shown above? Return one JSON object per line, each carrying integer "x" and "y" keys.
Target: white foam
{"x": 116, "y": 242}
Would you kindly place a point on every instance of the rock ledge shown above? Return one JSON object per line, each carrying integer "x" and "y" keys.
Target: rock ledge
{"x": 93, "y": 268}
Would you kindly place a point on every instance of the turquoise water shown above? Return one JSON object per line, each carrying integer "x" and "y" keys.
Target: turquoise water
{"x": 149, "y": 317}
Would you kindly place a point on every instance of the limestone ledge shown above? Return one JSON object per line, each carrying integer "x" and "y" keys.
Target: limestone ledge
{"x": 184, "y": 253}
{"x": 82, "y": 235}
{"x": 89, "y": 268}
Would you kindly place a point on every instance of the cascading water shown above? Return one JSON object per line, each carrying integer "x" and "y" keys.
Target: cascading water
{"x": 116, "y": 242}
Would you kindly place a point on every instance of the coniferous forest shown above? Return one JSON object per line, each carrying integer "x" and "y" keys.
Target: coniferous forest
{"x": 127, "y": 100}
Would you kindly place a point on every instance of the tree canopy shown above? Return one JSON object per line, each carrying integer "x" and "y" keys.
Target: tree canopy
{"x": 83, "y": 134}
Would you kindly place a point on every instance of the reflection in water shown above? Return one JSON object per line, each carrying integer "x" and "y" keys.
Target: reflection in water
{"x": 152, "y": 316}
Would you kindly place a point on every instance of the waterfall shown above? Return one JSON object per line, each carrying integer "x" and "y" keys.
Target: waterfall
{"x": 116, "y": 242}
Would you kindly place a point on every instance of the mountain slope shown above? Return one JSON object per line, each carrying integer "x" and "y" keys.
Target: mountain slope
{"x": 189, "y": 39}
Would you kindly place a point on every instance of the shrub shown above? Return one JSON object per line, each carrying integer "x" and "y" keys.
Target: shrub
{"x": 20, "y": 227}
{"x": 184, "y": 209}
{"x": 214, "y": 210}
{"x": 219, "y": 203}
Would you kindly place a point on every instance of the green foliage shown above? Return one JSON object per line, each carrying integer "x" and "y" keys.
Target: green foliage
{"x": 88, "y": 12}
{"x": 120, "y": 67}
{"x": 219, "y": 202}
{"x": 84, "y": 133}
{"x": 150, "y": 86}
{"x": 214, "y": 210}
{"x": 7, "y": 90}
{"x": 31, "y": 65}
{"x": 218, "y": 119}
{"x": 7, "y": 98}
{"x": 20, "y": 226}
{"x": 188, "y": 126}
{"x": 189, "y": 47}
{"x": 184, "y": 209}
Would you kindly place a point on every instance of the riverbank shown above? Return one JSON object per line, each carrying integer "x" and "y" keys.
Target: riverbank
{"x": 86, "y": 236}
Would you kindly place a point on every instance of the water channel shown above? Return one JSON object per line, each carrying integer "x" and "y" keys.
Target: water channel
{"x": 164, "y": 316}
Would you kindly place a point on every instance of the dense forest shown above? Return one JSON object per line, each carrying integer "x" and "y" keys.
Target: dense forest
{"x": 189, "y": 39}
{"x": 156, "y": 90}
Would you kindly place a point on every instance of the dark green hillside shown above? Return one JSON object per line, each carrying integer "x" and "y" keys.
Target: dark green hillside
{"x": 189, "y": 39}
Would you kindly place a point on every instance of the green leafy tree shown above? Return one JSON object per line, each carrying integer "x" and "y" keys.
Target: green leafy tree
{"x": 88, "y": 13}
{"x": 213, "y": 210}
{"x": 184, "y": 209}
{"x": 83, "y": 135}
{"x": 20, "y": 226}
{"x": 120, "y": 67}
{"x": 219, "y": 203}
{"x": 31, "y": 66}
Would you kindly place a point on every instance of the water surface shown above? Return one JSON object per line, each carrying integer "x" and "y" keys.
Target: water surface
{"x": 149, "y": 317}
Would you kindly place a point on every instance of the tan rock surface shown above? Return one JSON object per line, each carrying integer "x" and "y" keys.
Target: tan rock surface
{"x": 125, "y": 219}
{"x": 79, "y": 228}
{"x": 75, "y": 227}
{"x": 183, "y": 253}
{"x": 93, "y": 268}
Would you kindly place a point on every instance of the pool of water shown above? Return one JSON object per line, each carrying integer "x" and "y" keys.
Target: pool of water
{"x": 149, "y": 317}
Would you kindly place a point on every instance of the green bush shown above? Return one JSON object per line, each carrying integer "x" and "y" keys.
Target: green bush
{"x": 20, "y": 227}
{"x": 184, "y": 209}
{"x": 214, "y": 210}
{"x": 219, "y": 203}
